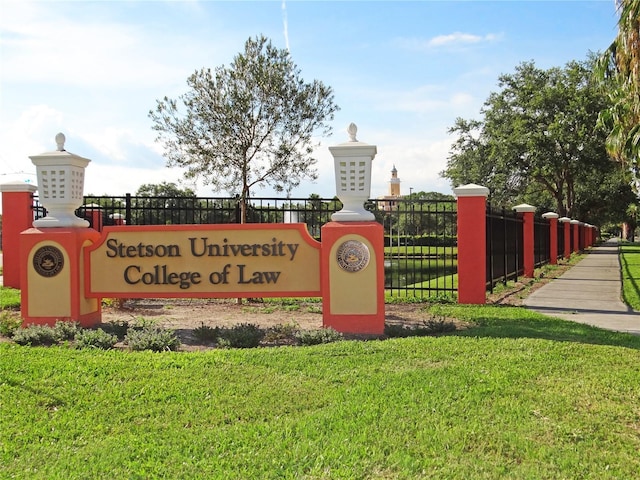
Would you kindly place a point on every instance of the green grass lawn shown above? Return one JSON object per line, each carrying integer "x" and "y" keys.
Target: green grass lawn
{"x": 630, "y": 263}
{"x": 9, "y": 298}
{"x": 519, "y": 396}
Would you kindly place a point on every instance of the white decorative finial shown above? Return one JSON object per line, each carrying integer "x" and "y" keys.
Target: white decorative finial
{"x": 352, "y": 129}
{"x": 60, "y": 139}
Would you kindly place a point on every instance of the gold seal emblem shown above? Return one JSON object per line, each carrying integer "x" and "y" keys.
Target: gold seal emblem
{"x": 353, "y": 256}
{"x": 48, "y": 261}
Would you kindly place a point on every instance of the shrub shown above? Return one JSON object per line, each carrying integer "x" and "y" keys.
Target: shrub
{"x": 243, "y": 335}
{"x": 394, "y": 330}
{"x": 9, "y": 323}
{"x": 152, "y": 338}
{"x": 119, "y": 329}
{"x": 66, "y": 330}
{"x": 439, "y": 325}
{"x": 206, "y": 333}
{"x": 315, "y": 337}
{"x": 95, "y": 339}
{"x": 35, "y": 335}
{"x": 286, "y": 331}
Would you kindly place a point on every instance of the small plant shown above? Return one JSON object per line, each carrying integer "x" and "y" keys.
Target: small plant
{"x": 66, "y": 330}
{"x": 286, "y": 331}
{"x": 119, "y": 329}
{"x": 243, "y": 335}
{"x": 439, "y": 325}
{"x": 152, "y": 338}
{"x": 9, "y": 323}
{"x": 35, "y": 335}
{"x": 395, "y": 330}
{"x": 206, "y": 333}
{"x": 316, "y": 337}
{"x": 95, "y": 339}
{"x": 314, "y": 309}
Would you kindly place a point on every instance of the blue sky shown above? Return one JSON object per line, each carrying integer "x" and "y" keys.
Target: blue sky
{"x": 402, "y": 71}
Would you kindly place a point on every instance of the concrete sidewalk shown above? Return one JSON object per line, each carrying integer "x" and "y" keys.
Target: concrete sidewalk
{"x": 589, "y": 292}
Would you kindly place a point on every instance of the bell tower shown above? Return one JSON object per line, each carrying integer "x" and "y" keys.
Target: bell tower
{"x": 394, "y": 183}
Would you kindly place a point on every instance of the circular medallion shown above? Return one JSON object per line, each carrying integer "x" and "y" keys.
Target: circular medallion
{"x": 353, "y": 256}
{"x": 48, "y": 261}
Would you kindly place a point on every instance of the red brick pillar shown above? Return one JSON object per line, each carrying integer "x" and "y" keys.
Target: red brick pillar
{"x": 528, "y": 245}
{"x": 17, "y": 216}
{"x": 566, "y": 223}
{"x": 575, "y": 225}
{"x": 472, "y": 243}
{"x": 552, "y": 217}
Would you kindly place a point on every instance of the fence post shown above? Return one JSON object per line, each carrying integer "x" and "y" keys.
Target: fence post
{"x": 528, "y": 245}
{"x": 575, "y": 225}
{"x": 553, "y": 236}
{"x": 566, "y": 223}
{"x": 472, "y": 243}
{"x": 17, "y": 216}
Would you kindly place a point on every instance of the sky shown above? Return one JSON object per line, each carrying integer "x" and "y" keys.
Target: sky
{"x": 401, "y": 71}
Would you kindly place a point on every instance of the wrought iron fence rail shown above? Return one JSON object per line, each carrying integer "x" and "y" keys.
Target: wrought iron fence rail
{"x": 504, "y": 246}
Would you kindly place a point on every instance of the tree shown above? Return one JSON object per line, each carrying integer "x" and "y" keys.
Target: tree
{"x": 164, "y": 204}
{"x": 248, "y": 124}
{"x": 619, "y": 70}
{"x": 538, "y": 141}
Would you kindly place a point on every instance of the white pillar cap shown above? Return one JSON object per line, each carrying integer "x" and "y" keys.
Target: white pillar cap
{"x": 524, "y": 208}
{"x": 471, "y": 190}
{"x": 550, "y": 215}
{"x": 564, "y": 219}
{"x": 18, "y": 186}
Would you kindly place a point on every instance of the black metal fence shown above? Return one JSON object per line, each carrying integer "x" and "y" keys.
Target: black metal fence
{"x": 541, "y": 242}
{"x": 419, "y": 234}
{"x": 504, "y": 246}
{"x": 560, "y": 239}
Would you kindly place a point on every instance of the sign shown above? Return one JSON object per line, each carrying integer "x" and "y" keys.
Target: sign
{"x": 249, "y": 260}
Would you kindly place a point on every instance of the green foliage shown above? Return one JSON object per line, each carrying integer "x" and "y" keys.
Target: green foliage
{"x": 95, "y": 339}
{"x": 282, "y": 331}
{"x": 243, "y": 335}
{"x": 314, "y": 309}
{"x": 9, "y": 323}
{"x": 152, "y": 338}
{"x": 619, "y": 71}
{"x": 538, "y": 143}
{"x": 205, "y": 333}
{"x": 249, "y": 123}
{"x": 36, "y": 335}
{"x": 66, "y": 330}
{"x": 316, "y": 337}
{"x": 119, "y": 329}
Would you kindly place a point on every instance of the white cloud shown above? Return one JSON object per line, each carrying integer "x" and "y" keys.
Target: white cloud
{"x": 455, "y": 39}
{"x": 460, "y": 38}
